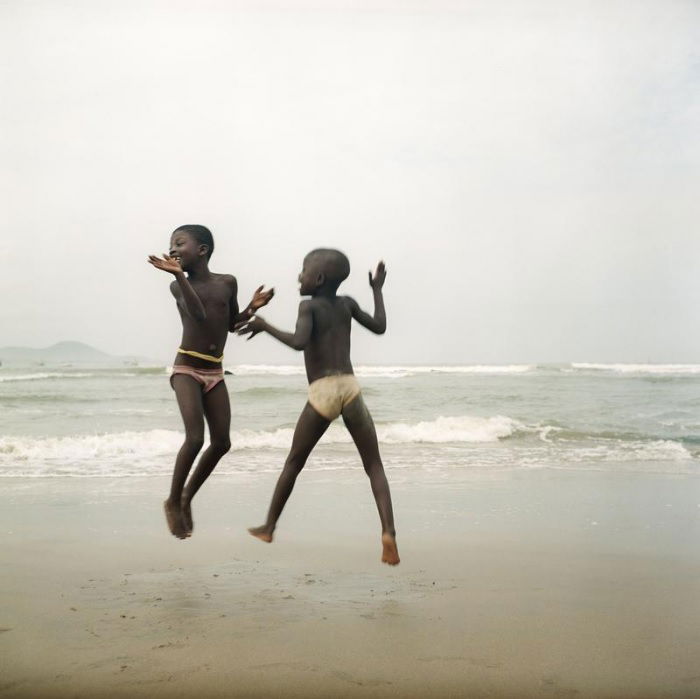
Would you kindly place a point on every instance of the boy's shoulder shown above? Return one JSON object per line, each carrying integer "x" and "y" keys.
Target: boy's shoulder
{"x": 321, "y": 301}
{"x": 227, "y": 280}
{"x": 344, "y": 306}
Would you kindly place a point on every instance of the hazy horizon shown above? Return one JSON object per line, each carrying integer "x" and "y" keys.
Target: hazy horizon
{"x": 233, "y": 362}
{"x": 528, "y": 171}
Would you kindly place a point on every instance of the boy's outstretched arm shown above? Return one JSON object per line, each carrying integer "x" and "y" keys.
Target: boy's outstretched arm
{"x": 296, "y": 340}
{"x": 181, "y": 289}
{"x": 377, "y": 322}
{"x": 260, "y": 298}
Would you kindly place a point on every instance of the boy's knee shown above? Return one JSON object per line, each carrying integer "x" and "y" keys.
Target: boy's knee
{"x": 222, "y": 446}
{"x": 194, "y": 441}
{"x": 373, "y": 468}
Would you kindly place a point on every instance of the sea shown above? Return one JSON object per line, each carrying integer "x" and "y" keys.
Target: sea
{"x": 440, "y": 423}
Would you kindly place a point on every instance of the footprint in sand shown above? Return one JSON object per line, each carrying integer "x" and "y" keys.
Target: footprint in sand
{"x": 361, "y": 683}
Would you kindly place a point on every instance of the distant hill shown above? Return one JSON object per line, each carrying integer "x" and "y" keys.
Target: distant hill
{"x": 68, "y": 352}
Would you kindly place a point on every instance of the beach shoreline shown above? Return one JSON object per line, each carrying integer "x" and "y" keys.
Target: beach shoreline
{"x": 538, "y": 583}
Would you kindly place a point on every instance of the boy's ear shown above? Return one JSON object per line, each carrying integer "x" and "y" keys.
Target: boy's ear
{"x": 320, "y": 279}
{"x": 203, "y": 249}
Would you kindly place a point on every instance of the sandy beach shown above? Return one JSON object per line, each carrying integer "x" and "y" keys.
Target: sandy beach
{"x": 533, "y": 584}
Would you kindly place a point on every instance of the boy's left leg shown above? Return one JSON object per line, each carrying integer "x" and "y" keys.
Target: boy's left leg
{"x": 309, "y": 429}
{"x": 361, "y": 427}
{"x": 217, "y": 411}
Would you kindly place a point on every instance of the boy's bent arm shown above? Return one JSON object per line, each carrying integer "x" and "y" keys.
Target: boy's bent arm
{"x": 260, "y": 298}
{"x": 377, "y": 322}
{"x": 181, "y": 289}
{"x": 187, "y": 297}
{"x": 296, "y": 340}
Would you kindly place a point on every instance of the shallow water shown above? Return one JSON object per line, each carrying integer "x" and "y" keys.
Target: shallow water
{"x": 446, "y": 422}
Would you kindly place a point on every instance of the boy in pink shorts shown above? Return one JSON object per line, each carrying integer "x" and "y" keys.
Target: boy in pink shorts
{"x": 208, "y": 306}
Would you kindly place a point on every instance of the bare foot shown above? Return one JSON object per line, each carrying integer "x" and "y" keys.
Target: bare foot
{"x": 263, "y": 533}
{"x": 187, "y": 522}
{"x": 173, "y": 515}
{"x": 390, "y": 554}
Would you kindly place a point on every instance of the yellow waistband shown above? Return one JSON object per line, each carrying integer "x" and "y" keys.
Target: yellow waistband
{"x": 199, "y": 355}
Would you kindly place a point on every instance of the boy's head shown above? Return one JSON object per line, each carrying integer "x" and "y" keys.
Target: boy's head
{"x": 200, "y": 236}
{"x": 323, "y": 266}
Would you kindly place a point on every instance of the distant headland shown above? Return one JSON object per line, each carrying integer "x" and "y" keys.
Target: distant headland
{"x": 68, "y": 353}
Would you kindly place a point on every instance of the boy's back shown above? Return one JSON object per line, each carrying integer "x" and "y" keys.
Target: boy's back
{"x": 323, "y": 332}
{"x": 328, "y": 349}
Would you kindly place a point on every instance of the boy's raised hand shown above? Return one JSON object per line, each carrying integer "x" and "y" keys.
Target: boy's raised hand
{"x": 261, "y": 298}
{"x": 377, "y": 281}
{"x": 250, "y": 327}
{"x": 167, "y": 264}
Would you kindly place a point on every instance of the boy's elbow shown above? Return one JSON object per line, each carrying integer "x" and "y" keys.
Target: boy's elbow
{"x": 299, "y": 343}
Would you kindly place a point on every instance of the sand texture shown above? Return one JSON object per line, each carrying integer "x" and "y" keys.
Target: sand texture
{"x": 531, "y": 585}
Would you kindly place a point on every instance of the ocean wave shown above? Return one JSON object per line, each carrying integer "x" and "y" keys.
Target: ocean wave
{"x": 45, "y": 375}
{"x": 154, "y": 444}
{"x": 445, "y": 443}
{"x": 444, "y": 430}
{"x": 651, "y": 369}
{"x": 391, "y": 372}
{"x": 267, "y": 369}
{"x": 617, "y": 450}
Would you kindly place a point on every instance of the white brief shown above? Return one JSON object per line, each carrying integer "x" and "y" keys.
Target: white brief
{"x": 330, "y": 394}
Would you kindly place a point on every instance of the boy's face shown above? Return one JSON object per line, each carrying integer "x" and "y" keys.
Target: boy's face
{"x": 185, "y": 249}
{"x": 309, "y": 277}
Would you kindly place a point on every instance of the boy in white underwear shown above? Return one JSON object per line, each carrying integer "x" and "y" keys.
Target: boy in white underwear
{"x": 323, "y": 332}
{"x": 208, "y": 306}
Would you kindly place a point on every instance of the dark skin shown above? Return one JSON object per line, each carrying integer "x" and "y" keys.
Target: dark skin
{"x": 208, "y": 307}
{"x": 323, "y": 333}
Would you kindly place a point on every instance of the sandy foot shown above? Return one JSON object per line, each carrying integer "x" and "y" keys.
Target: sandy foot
{"x": 390, "y": 554}
{"x": 173, "y": 516}
{"x": 262, "y": 533}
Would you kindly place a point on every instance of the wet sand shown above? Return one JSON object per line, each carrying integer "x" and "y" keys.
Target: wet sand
{"x": 538, "y": 584}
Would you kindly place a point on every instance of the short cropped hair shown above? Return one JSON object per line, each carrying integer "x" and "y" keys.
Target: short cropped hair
{"x": 200, "y": 233}
{"x": 333, "y": 263}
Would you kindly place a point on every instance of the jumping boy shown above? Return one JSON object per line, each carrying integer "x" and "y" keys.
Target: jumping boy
{"x": 208, "y": 306}
{"x": 323, "y": 332}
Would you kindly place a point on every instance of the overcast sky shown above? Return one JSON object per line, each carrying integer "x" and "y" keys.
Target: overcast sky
{"x": 528, "y": 171}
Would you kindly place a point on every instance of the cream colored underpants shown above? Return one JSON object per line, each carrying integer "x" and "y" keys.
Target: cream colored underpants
{"x": 330, "y": 394}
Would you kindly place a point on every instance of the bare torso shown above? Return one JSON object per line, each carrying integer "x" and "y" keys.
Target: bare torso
{"x": 217, "y": 293}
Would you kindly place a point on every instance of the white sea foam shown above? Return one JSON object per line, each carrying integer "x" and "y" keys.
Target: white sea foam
{"x": 445, "y": 444}
{"x": 44, "y": 375}
{"x": 658, "y": 450}
{"x": 127, "y": 452}
{"x": 267, "y": 369}
{"x": 391, "y": 372}
{"x": 81, "y": 448}
{"x": 653, "y": 369}
{"x": 443, "y": 430}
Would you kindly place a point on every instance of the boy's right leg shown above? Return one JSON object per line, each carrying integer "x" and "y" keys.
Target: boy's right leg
{"x": 361, "y": 427}
{"x": 217, "y": 411}
{"x": 189, "y": 399}
{"x": 310, "y": 428}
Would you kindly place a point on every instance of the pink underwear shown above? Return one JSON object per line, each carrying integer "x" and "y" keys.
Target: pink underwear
{"x": 207, "y": 377}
